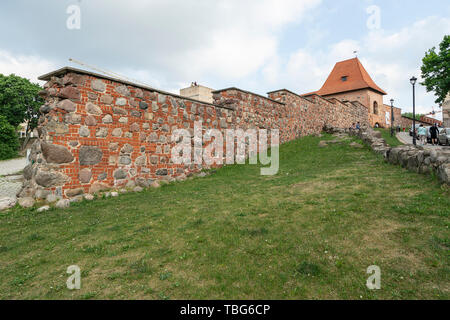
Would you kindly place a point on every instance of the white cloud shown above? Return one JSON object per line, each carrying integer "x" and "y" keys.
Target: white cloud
{"x": 30, "y": 67}
{"x": 243, "y": 38}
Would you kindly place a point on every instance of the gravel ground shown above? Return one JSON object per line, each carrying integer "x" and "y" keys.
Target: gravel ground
{"x": 10, "y": 182}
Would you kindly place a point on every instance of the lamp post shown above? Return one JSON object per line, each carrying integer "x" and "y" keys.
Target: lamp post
{"x": 392, "y": 117}
{"x": 413, "y": 81}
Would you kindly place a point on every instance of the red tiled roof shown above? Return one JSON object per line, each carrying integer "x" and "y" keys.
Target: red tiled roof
{"x": 356, "y": 78}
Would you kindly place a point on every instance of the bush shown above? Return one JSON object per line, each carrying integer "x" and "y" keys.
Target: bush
{"x": 9, "y": 140}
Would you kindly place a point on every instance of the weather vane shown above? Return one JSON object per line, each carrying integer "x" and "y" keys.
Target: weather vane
{"x": 355, "y": 53}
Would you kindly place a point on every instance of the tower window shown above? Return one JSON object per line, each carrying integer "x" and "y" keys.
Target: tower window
{"x": 344, "y": 78}
{"x": 375, "y": 107}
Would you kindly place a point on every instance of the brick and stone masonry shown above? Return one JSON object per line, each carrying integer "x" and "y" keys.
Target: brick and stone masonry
{"x": 98, "y": 133}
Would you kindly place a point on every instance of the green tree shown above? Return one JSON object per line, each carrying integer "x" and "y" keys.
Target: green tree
{"x": 436, "y": 70}
{"x": 20, "y": 102}
{"x": 9, "y": 140}
{"x": 410, "y": 115}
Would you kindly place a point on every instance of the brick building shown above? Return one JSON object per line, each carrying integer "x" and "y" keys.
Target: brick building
{"x": 349, "y": 81}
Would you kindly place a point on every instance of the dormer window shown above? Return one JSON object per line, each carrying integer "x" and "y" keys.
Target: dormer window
{"x": 344, "y": 78}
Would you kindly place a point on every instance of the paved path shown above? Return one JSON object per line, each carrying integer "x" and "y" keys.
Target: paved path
{"x": 405, "y": 138}
{"x": 10, "y": 181}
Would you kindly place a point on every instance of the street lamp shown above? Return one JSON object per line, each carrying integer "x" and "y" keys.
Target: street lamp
{"x": 413, "y": 81}
{"x": 392, "y": 117}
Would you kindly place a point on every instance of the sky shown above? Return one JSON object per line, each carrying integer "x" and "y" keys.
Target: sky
{"x": 255, "y": 45}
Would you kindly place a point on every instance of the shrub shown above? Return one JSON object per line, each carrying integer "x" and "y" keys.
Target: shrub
{"x": 9, "y": 140}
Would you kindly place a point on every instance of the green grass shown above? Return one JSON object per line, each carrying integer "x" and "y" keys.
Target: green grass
{"x": 386, "y": 134}
{"x": 309, "y": 232}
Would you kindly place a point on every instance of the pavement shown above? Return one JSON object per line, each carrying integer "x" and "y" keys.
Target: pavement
{"x": 11, "y": 177}
{"x": 405, "y": 138}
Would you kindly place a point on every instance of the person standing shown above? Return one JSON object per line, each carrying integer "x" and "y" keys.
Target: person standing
{"x": 422, "y": 134}
{"x": 434, "y": 131}
{"x": 358, "y": 126}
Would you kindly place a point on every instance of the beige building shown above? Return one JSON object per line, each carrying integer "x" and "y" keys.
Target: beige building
{"x": 446, "y": 112}
{"x": 198, "y": 92}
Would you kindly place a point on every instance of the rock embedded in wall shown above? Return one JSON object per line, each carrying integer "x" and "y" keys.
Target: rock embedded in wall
{"x": 50, "y": 178}
{"x": 98, "y": 85}
{"x": 67, "y": 105}
{"x": 56, "y": 153}
{"x": 93, "y": 109}
{"x": 90, "y": 155}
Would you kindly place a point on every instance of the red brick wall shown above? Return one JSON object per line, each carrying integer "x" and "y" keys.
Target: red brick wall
{"x": 430, "y": 121}
{"x": 97, "y": 132}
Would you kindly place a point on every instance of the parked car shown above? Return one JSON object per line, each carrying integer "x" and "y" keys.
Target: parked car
{"x": 444, "y": 136}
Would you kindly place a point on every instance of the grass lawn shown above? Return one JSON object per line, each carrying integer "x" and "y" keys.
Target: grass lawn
{"x": 386, "y": 134}
{"x": 309, "y": 232}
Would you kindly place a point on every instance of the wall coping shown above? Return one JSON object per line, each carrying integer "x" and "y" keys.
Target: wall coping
{"x": 289, "y": 91}
{"x": 65, "y": 70}
{"x": 248, "y": 92}
{"x": 419, "y": 121}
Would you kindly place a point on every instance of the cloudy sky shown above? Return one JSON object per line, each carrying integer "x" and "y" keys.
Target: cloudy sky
{"x": 256, "y": 45}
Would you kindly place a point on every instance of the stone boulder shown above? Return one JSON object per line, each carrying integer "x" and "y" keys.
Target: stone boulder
{"x": 93, "y": 109}
{"x": 7, "y": 203}
{"x": 98, "y": 187}
{"x": 42, "y": 209}
{"x": 443, "y": 173}
{"x": 74, "y": 192}
{"x": 63, "y": 203}
{"x": 50, "y": 178}
{"x": 27, "y": 202}
{"x": 90, "y": 156}
{"x": 55, "y": 153}
{"x": 67, "y": 105}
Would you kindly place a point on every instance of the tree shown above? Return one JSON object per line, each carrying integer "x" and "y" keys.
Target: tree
{"x": 9, "y": 140}
{"x": 410, "y": 115}
{"x": 436, "y": 70}
{"x": 20, "y": 102}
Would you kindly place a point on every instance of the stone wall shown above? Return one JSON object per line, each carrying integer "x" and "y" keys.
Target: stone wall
{"x": 414, "y": 158}
{"x": 430, "y": 121}
{"x": 408, "y": 122}
{"x": 98, "y": 133}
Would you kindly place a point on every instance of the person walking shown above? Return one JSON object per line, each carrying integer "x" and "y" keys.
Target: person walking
{"x": 434, "y": 131}
{"x": 422, "y": 134}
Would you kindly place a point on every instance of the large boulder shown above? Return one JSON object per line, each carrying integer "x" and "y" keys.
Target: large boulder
{"x": 444, "y": 173}
{"x": 97, "y": 187}
{"x": 74, "y": 192}
{"x": 27, "y": 202}
{"x": 50, "y": 178}
{"x": 7, "y": 203}
{"x": 55, "y": 153}
{"x": 28, "y": 172}
{"x": 67, "y": 105}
